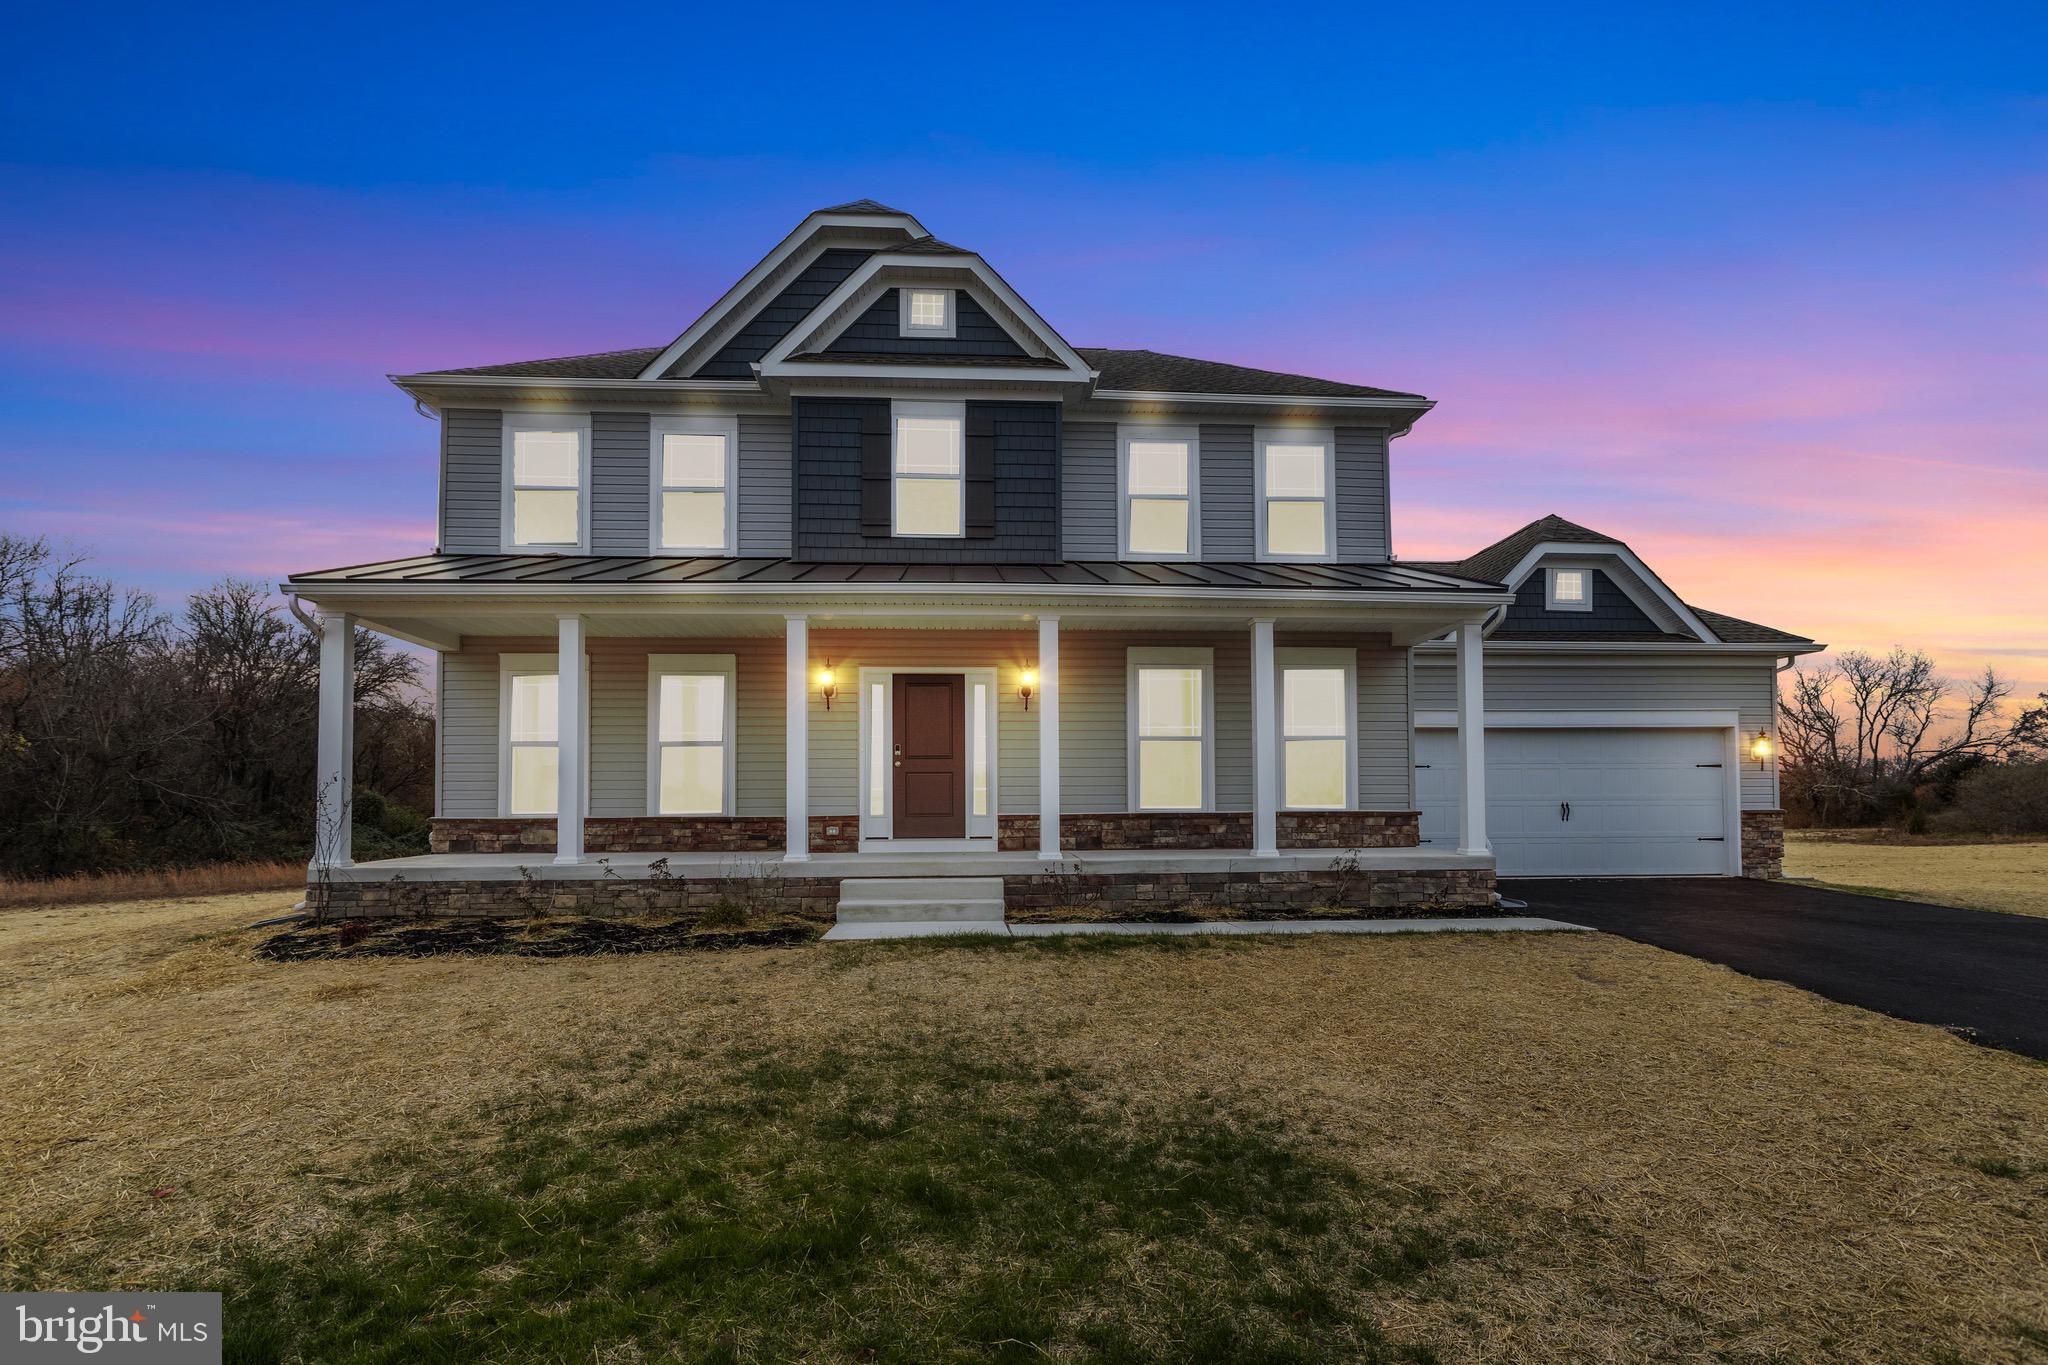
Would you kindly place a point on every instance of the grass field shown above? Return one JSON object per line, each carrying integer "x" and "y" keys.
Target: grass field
{"x": 1530, "y": 1148}
{"x": 2008, "y": 875}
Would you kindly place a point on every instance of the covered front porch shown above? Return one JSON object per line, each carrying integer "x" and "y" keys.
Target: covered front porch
{"x": 1215, "y": 743}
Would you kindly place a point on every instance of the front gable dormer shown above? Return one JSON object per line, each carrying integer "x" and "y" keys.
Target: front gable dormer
{"x": 924, "y": 311}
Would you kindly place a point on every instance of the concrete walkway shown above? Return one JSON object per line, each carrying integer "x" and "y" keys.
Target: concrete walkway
{"x": 848, "y": 933}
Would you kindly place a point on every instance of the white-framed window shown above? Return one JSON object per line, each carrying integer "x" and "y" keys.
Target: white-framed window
{"x": 546, "y": 506}
{"x": 926, "y": 312}
{"x": 1295, "y": 474}
{"x": 928, "y": 496}
{"x": 529, "y": 737}
{"x": 1568, "y": 589}
{"x": 1159, "y": 505}
{"x": 1172, "y": 727}
{"x": 690, "y": 721}
{"x": 1318, "y": 728}
{"x": 695, "y": 493}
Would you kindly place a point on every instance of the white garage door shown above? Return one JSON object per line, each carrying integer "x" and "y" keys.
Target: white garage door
{"x": 1596, "y": 803}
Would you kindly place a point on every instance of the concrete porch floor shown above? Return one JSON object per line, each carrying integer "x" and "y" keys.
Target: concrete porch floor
{"x": 471, "y": 867}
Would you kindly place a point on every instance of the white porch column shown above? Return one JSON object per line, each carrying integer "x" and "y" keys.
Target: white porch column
{"x": 796, "y": 781}
{"x": 570, "y": 683}
{"x": 1265, "y": 743}
{"x": 1471, "y": 740}
{"x": 334, "y": 795}
{"x": 1049, "y": 737}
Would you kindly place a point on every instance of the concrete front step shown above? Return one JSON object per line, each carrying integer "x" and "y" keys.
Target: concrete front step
{"x": 920, "y": 900}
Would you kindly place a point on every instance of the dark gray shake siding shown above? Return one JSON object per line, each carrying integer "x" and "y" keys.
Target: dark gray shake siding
{"x": 764, "y": 481}
{"x": 735, "y": 359}
{"x": 1612, "y": 610}
{"x": 472, "y": 448}
{"x": 827, "y": 443}
{"x": 1362, "y": 494}
{"x": 620, "y": 469}
{"x": 878, "y": 331}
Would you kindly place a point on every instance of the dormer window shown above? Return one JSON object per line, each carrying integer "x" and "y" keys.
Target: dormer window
{"x": 927, "y": 312}
{"x": 1569, "y": 590}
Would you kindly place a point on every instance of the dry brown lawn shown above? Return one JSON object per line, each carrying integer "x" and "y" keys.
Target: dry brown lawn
{"x": 215, "y": 879}
{"x": 1674, "y": 1162}
{"x": 2004, "y": 875}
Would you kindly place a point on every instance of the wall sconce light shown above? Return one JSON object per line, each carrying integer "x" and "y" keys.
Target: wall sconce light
{"x": 1760, "y": 749}
{"x": 1027, "y": 685}
{"x": 828, "y": 686}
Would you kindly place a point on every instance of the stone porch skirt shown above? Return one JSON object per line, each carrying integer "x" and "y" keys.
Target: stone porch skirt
{"x": 1192, "y": 830}
{"x": 1126, "y": 884}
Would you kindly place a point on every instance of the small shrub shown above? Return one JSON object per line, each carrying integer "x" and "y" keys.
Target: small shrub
{"x": 723, "y": 913}
{"x": 350, "y": 932}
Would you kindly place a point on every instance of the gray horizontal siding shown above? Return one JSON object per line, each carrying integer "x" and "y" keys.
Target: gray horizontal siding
{"x": 469, "y": 732}
{"x": 1088, "y": 490}
{"x": 1748, "y": 688}
{"x": 472, "y": 460}
{"x": 764, "y": 485}
{"x": 621, "y": 469}
{"x": 1361, "y": 472}
{"x": 1227, "y": 504}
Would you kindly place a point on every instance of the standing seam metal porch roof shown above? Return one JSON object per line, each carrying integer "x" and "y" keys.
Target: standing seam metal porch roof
{"x": 551, "y": 570}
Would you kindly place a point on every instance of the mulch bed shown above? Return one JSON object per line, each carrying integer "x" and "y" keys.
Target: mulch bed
{"x": 515, "y": 938}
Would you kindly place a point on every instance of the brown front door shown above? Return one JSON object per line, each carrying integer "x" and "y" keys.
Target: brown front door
{"x": 931, "y": 756}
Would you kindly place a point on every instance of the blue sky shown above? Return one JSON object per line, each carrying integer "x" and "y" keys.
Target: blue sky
{"x": 1760, "y": 290}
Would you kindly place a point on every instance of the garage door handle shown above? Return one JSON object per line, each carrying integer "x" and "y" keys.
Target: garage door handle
{"x": 1713, "y": 839}
{"x": 1564, "y": 810}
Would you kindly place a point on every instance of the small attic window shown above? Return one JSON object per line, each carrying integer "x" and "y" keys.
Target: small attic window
{"x": 927, "y": 312}
{"x": 1570, "y": 590}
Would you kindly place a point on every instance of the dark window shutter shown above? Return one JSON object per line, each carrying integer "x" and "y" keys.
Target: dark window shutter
{"x": 876, "y": 472}
{"x": 981, "y": 471}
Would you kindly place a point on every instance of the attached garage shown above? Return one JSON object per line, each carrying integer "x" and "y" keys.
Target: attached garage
{"x": 1570, "y": 800}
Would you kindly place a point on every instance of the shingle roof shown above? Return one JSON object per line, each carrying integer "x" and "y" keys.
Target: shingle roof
{"x": 1158, "y": 372}
{"x": 929, "y": 246}
{"x": 1142, "y": 371}
{"x": 545, "y": 570}
{"x": 625, "y": 364}
{"x": 1735, "y": 630}
{"x": 864, "y": 206}
{"x": 1498, "y": 558}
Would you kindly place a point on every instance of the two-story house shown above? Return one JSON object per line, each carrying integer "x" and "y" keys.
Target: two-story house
{"x": 869, "y": 573}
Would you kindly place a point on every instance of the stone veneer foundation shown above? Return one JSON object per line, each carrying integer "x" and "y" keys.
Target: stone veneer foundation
{"x": 1015, "y": 833}
{"x": 1214, "y": 829}
{"x": 1763, "y": 843}
{"x": 1088, "y": 894}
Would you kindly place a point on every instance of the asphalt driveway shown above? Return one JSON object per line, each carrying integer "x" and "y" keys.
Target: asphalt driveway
{"x": 1977, "y": 973}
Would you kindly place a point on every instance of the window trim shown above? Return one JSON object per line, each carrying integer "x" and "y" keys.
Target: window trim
{"x": 664, "y": 426}
{"x": 1125, "y": 434}
{"x": 510, "y": 665}
{"x": 1323, "y": 436}
{"x": 1551, "y": 601}
{"x": 514, "y": 421}
{"x": 660, "y": 666}
{"x": 1307, "y": 658}
{"x": 906, "y": 328}
{"x": 1138, "y": 658}
{"x": 899, "y": 409}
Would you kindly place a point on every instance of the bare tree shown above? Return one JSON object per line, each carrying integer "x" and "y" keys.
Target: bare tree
{"x": 1861, "y": 733}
